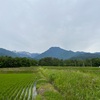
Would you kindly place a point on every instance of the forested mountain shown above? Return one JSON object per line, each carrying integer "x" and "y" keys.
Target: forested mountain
{"x": 26, "y": 54}
{"x": 60, "y": 53}
{"x": 54, "y": 52}
{"x": 4, "y": 52}
{"x": 57, "y": 52}
{"x": 87, "y": 56}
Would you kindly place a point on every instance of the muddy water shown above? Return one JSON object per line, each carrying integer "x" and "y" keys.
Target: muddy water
{"x": 34, "y": 91}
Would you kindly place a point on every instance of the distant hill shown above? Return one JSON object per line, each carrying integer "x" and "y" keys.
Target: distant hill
{"x": 26, "y": 54}
{"x": 4, "y": 52}
{"x": 59, "y": 53}
{"x": 87, "y": 56}
{"x": 55, "y": 52}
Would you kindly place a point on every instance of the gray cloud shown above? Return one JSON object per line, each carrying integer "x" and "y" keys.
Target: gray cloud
{"x": 36, "y": 25}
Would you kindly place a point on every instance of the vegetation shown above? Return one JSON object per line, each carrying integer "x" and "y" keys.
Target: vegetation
{"x": 6, "y": 61}
{"x": 73, "y": 84}
{"x": 9, "y": 62}
{"x": 52, "y": 83}
{"x": 16, "y": 86}
{"x": 23, "y": 79}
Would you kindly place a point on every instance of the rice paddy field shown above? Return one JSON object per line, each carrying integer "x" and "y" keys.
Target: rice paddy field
{"x": 50, "y": 83}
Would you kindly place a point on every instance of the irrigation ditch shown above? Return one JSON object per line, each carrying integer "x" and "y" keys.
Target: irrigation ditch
{"x": 34, "y": 91}
{"x": 43, "y": 85}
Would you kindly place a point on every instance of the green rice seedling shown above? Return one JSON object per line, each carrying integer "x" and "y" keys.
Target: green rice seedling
{"x": 12, "y": 85}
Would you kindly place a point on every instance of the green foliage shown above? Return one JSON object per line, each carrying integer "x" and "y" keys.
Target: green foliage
{"x": 55, "y": 83}
{"x": 16, "y": 86}
{"x": 51, "y": 95}
{"x": 38, "y": 97}
{"x": 75, "y": 84}
{"x": 49, "y": 61}
{"x": 6, "y": 61}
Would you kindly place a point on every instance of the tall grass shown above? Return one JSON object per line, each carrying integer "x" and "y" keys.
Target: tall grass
{"x": 75, "y": 84}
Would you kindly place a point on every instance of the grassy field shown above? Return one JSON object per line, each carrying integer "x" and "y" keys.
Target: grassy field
{"x": 52, "y": 83}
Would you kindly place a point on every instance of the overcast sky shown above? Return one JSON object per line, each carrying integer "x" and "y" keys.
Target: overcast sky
{"x": 36, "y": 25}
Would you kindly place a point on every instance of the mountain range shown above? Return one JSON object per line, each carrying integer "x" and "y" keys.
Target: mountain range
{"x": 4, "y": 52}
{"x": 55, "y": 52}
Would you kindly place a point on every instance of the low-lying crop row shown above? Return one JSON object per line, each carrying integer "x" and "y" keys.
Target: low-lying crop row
{"x": 17, "y": 86}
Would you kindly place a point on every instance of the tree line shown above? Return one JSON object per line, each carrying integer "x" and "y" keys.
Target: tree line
{"x": 48, "y": 61}
{"x": 6, "y": 61}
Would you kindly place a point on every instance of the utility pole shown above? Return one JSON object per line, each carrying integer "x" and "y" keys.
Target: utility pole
{"x": 91, "y": 63}
{"x": 83, "y": 64}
